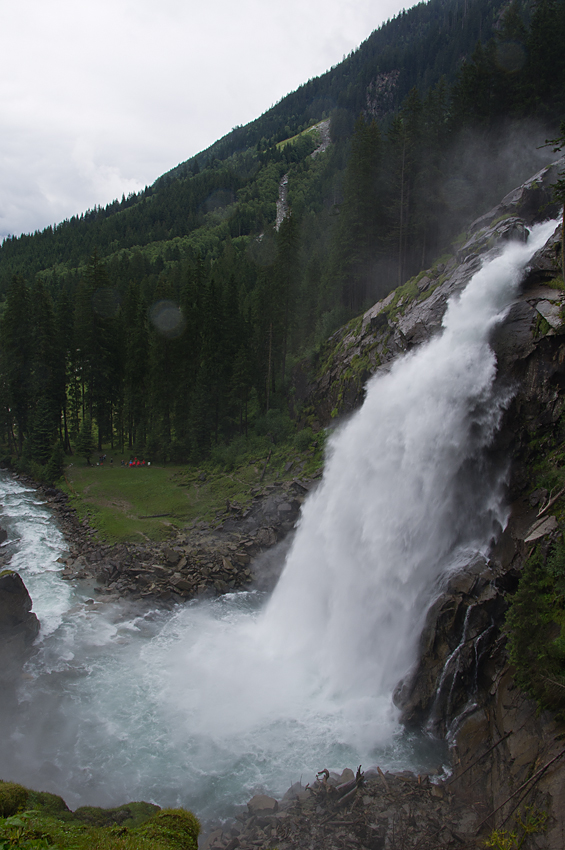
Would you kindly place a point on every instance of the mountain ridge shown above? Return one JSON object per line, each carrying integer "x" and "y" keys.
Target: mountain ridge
{"x": 251, "y": 296}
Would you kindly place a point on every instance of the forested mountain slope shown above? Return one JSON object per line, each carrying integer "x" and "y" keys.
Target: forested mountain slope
{"x": 170, "y": 320}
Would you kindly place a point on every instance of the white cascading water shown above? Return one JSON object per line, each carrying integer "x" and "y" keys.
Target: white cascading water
{"x": 203, "y": 706}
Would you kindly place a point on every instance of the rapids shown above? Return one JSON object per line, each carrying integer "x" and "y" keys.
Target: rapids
{"x": 207, "y": 704}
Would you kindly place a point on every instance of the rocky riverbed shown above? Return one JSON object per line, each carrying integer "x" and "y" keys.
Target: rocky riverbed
{"x": 375, "y": 811}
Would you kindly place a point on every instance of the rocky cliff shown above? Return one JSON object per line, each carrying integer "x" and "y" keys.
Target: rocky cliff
{"x": 506, "y": 754}
{"x": 332, "y": 385}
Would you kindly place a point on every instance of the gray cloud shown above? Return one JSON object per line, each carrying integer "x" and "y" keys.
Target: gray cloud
{"x": 99, "y": 98}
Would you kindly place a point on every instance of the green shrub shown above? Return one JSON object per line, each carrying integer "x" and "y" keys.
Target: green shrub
{"x": 274, "y": 424}
{"x": 54, "y": 468}
{"x": 556, "y": 567}
{"x": 48, "y": 804}
{"x": 530, "y": 822}
{"x": 535, "y": 625}
{"x": 13, "y": 798}
{"x": 304, "y": 439}
{"x": 38, "y": 819}
{"x": 130, "y": 814}
{"x": 228, "y": 456}
{"x": 174, "y": 828}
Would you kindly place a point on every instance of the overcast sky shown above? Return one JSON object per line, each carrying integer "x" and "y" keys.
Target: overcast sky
{"x": 101, "y": 97}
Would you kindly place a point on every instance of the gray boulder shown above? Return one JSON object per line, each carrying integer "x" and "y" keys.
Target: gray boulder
{"x": 18, "y": 625}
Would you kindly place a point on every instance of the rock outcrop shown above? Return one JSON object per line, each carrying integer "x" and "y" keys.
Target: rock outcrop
{"x": 333, "y": 385}
{"x": 18, "y": 626}
{"x": 379, "y": 810}
{"x": 463, "y": 687}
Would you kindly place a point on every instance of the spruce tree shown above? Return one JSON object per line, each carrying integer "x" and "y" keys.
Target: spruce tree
{"x": 55, "y": 467}
{"x": 360, "y": 218}
{"x": 85, "y": 445}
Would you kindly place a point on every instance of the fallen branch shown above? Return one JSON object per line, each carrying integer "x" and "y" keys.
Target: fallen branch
{"x": 381, "y": 774}
{"x": 550, "y": 502}
{"x": 343, "y": 801}
{"x": 553, "y": 682}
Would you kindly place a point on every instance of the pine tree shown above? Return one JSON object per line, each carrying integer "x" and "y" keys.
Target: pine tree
{"x": 286, "y": 283}
{"x": 42, "y": 432}
{"x": 242, "y": 381}
{"x": 545, "y": 67}
{"x": 360, "y": 219}
{"x": 166, "y": 329}
{"x": 85, "y": 445}
{"x": 135, "y": 374}
{"x": 62, "y": 378}
{"x": 55, "y": 467}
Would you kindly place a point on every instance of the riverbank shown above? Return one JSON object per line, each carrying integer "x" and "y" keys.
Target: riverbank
{"x": 206, "y": 559}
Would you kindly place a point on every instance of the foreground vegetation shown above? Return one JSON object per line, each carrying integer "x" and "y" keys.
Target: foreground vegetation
{"x": 35, "y": 820}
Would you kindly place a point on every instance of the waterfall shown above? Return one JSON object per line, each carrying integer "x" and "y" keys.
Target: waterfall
{"x": 204, "y": 706}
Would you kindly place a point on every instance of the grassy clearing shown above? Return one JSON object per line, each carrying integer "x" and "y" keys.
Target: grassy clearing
{"x": 151, "y": 503}
{"x": 310, "y": 131}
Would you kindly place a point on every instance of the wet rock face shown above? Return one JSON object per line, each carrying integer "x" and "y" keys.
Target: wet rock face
{"x": 334, "y": 384}
{"x": 509, "y": 755}
{"x": 464, "y": 625}
{"x": 461, "y": 628}
{"x": 461, "y": 687}
{"x": 18, "y": 625}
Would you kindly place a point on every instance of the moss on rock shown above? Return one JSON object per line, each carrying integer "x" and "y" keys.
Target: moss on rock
{"x": 173, "y": 828}
{"x": 28, "y": 817}
{"x": 130, "y": 815}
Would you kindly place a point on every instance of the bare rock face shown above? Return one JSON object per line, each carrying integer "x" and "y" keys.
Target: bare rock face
{"x": 508, "y": 755}
{"x": 18, "y": 625}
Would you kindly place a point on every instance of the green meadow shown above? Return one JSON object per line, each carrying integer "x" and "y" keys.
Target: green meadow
{"x": 154, "y": 502}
